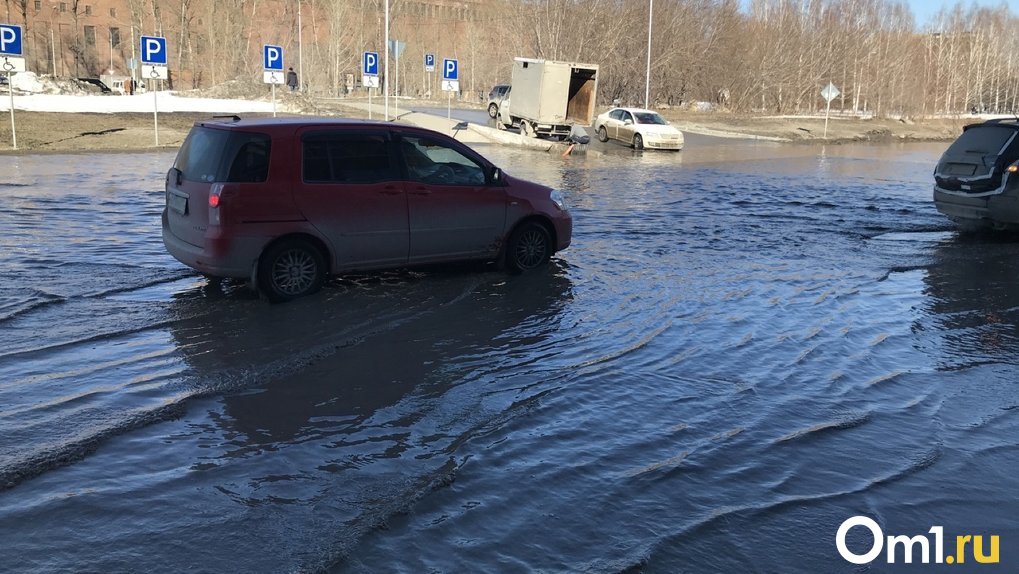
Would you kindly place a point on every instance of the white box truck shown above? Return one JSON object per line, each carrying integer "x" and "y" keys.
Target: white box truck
{"x": 548, "y": 97}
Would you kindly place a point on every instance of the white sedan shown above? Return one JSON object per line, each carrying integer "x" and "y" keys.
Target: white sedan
{"x": 638, "y": 128}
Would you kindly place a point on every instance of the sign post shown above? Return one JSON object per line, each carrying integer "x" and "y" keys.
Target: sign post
{"x": 429, "y": 70}
{"x": 396, "y": 46}
{"x": 829, "y": 93}
{"x": 10, "y": 54}
{"x": 154, "y": 68}
{"x": 370, "y": 75}
{"x": 450, "y": 81}
{"x": 272, "y": 64}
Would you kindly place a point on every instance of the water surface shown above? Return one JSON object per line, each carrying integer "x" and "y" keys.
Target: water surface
{"x": 745, "y": 345}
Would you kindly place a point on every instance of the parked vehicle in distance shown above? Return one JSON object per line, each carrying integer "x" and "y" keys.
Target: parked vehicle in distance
{"x": 639, "y": 128}
{"x": 95, "y": 84}
{"x": 120, "y": 84}
{"x": 495, "y": 97}
{"x": 976, "y": 181}
{"x": 287, "y": 201}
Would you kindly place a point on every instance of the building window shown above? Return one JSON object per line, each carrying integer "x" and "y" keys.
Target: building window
{"x": 114, "y": 37}
{"x": 113, "y": 12}
{"x": 63, "y": 6}
{"x": 88, "y": 10}
{"x": 38, "y": 5}
{"x": 90, "y": 35}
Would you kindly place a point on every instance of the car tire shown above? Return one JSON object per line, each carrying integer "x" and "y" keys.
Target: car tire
{"x": 526, "y": 129}
{"x": 290, "y": 269}
{"x": 529, "y": 247}
{"x": 493, "y": 110}
{"x": 638, "y": 142}
{"x": 603, "y": 135}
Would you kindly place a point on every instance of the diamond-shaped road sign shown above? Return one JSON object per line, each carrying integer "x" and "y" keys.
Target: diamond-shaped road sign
{"x": 830, "y": 92}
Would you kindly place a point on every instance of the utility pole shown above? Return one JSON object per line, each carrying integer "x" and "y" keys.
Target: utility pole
{"x": 647, "y": 77}
{"x": 300, "y": 48}
{"x": 385, "y": 65}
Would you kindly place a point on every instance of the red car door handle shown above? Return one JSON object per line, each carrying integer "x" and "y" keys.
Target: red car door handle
{"x": 422, "y": 191}
{"x": 390, "y": 190}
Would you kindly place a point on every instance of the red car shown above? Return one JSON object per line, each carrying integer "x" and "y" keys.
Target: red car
{"x": 288, "y": 201}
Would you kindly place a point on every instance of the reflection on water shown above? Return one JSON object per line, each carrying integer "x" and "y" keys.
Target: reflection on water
{"x": 973, "y": 301}
{"x": 746, "y": 344}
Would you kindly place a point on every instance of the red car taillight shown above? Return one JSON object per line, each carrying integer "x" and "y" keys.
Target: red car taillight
{"x": 215, "y": 193}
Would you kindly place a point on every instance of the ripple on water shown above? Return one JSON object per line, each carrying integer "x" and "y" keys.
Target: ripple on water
{"x": 743, "y": 346}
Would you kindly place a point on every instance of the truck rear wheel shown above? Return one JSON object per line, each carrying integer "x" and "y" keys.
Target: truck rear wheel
{"x": 526, "y": 129}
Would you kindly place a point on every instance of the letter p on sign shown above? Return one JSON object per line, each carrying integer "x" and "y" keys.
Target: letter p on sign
{"x": 449, "y": 69}
{"x": 272, "y": 57}
{"x": 10, "y": 40}
{"x": 153, "y": 50}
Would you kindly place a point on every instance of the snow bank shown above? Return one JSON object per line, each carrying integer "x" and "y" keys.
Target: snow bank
{"x": 35, "y": 93}
{"x": 29, "y": 82}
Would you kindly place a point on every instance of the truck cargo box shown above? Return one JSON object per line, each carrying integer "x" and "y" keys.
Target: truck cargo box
{"x": 552, "y": 92}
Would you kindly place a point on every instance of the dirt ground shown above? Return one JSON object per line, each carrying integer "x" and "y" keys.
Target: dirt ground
{"x": 76, "y": 132}
{"x": 84, "y": 132}
{"x": 812, "y": 128}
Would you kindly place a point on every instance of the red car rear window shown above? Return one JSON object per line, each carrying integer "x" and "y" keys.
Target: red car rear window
{"x": 214, "y": 155}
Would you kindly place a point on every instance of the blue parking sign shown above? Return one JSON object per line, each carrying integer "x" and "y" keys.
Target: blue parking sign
{"x": 371, "y": 63}
{"x": 272, "y": 57}
{"x": 10, "y": 40}
{"x": 429, "y": 62}
{"x": 153, "y": 50}
{"x": 450, "y": 70}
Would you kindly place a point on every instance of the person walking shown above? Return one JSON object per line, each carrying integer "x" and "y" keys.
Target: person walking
{"x": 292, "y": 79}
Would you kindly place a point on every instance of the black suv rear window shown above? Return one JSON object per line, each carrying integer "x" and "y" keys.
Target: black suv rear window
{"x": 981, "y": 140}
{"x": 213, "y": 155}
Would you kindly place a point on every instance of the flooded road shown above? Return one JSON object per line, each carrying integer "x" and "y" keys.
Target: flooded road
{"x": 746, "y": 345}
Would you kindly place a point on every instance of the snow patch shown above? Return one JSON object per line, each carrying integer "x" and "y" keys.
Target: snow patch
{"x": 34, "y": 93}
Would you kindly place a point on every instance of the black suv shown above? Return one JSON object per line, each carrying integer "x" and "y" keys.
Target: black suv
{"x": 976, "y": 182}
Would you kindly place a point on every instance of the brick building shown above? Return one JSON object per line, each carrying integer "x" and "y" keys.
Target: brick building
{"x": 212, "y": 41}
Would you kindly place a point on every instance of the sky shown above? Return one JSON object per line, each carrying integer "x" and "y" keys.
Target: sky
{"x": 924, "y": 9}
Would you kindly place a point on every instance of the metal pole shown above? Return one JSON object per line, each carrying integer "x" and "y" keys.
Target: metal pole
{"x": 369, "y": 103}
{"x": 134, "y": 64}
{"x": 155, "y": 104}
{"x": 300, "y": 48}
{"x": 396, "y": 79}
{"x": 827, "y": 108}
{"x": 10, "y": 90}
{"x": 53, "y": 51}
{"x": 385, "y": 65}
{"x": 647, "y": 76}
{"x": 273, "y": 96}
